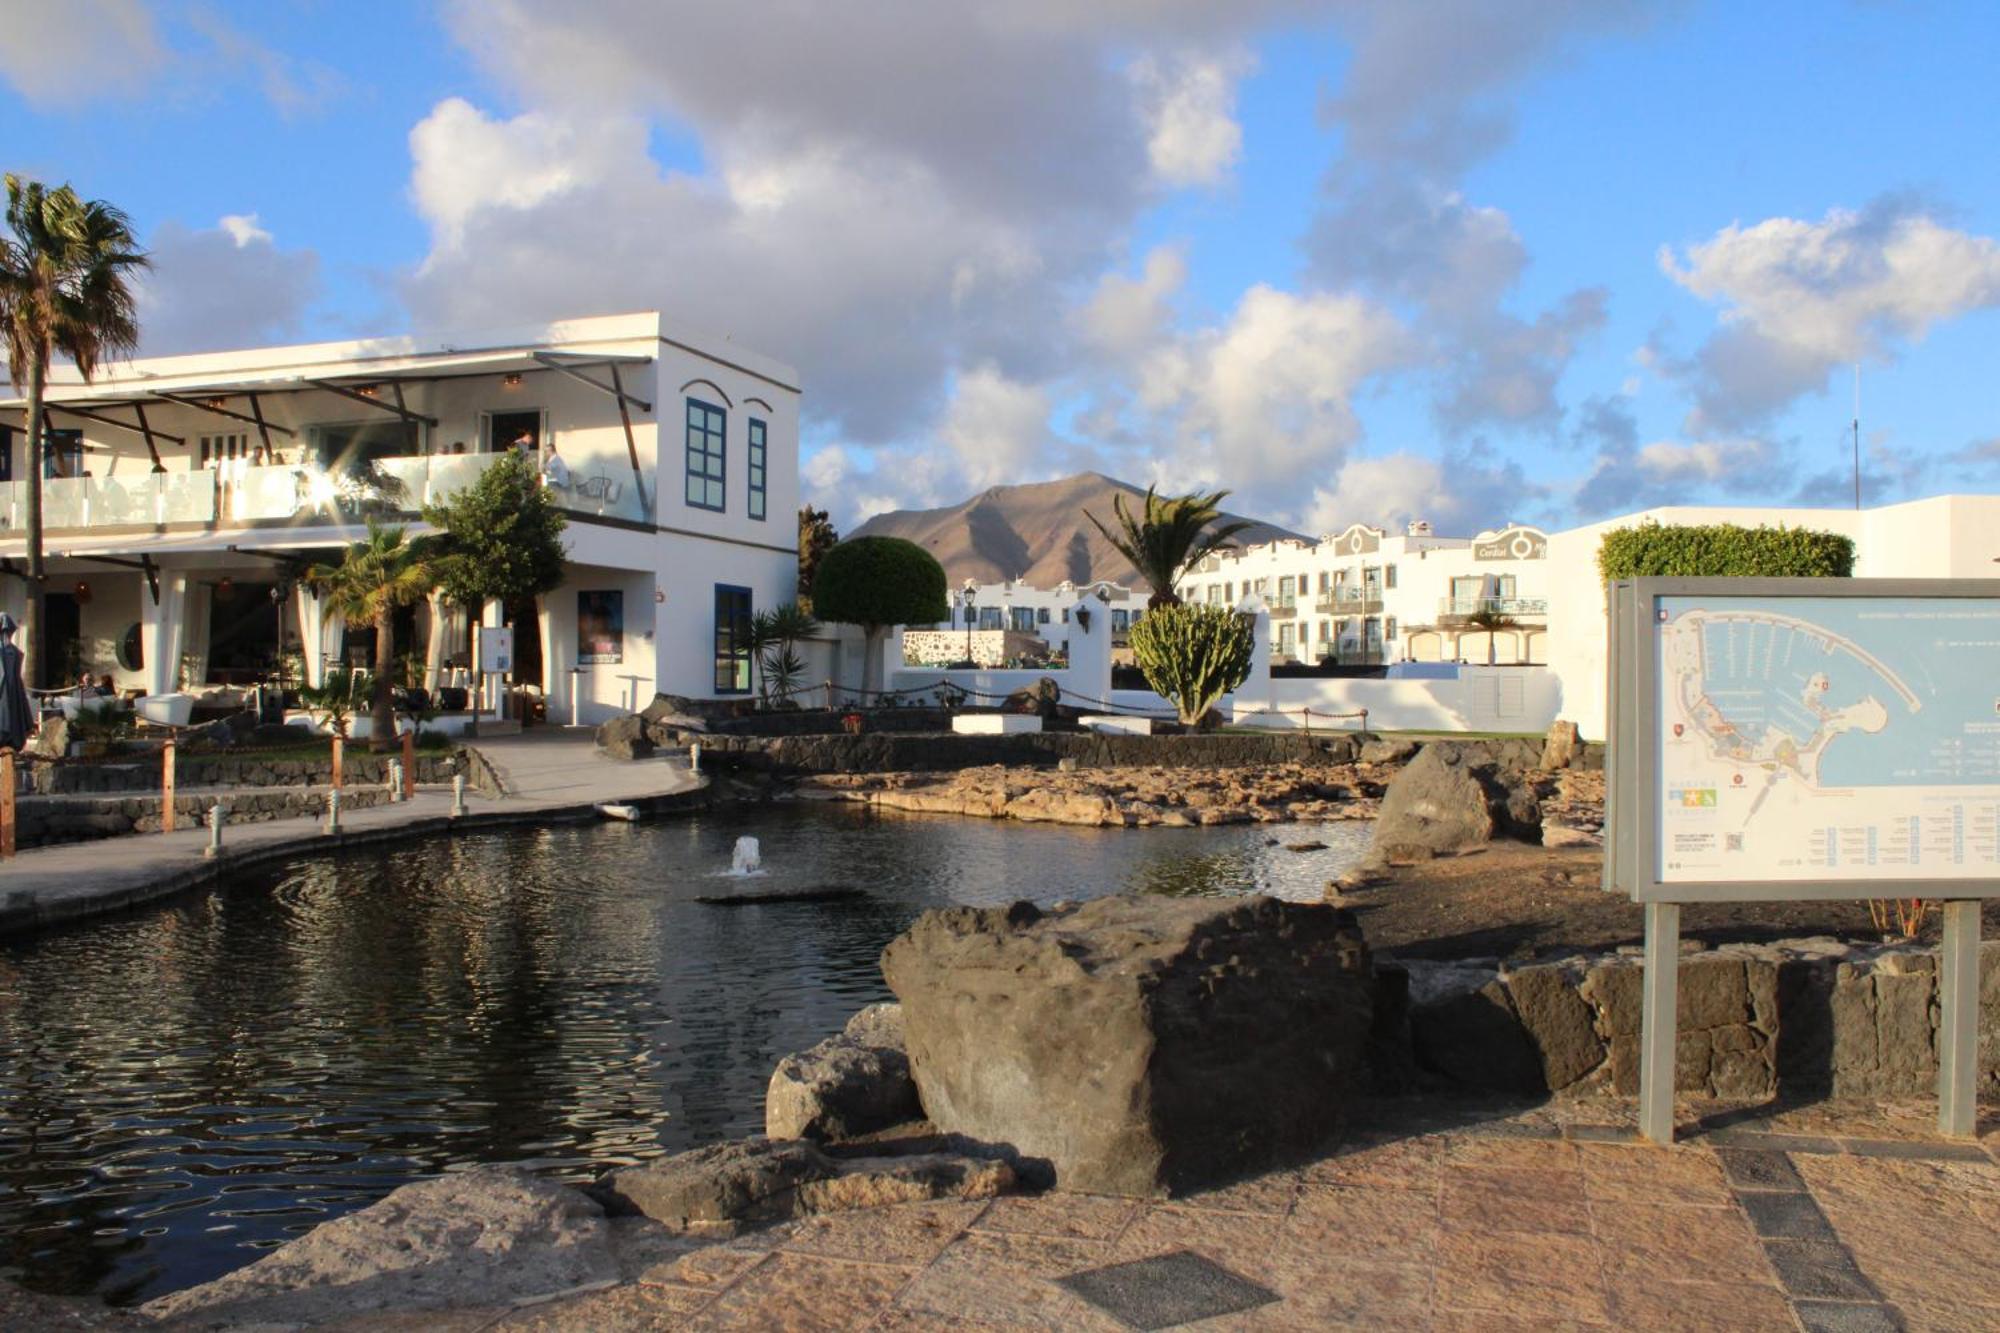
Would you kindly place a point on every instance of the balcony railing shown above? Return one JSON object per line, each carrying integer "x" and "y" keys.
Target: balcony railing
{"x": 1349, "y": 601}
{"x": 302, "y": 493}
{"x": 1464, "y": 608}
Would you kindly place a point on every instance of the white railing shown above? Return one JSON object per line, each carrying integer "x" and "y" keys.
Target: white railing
{"x": 1496, "y": 606}
{"x": 289, "y": 493}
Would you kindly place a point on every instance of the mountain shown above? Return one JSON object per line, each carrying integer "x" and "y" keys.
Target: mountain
{"x": 1036, "y": 533}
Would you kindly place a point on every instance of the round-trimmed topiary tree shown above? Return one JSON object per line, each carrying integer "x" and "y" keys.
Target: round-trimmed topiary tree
{"x": 877, "y": 583}
{"x": 1193, "y": 655}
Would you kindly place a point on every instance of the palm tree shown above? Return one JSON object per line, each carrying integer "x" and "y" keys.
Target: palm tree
{"x": 379, "y": 576}
{"x": 62, "y": 289}
{"x": 1173, "y": 535}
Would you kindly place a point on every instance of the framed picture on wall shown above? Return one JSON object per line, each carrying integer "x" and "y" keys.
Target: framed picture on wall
{"x": 600, "y": 627}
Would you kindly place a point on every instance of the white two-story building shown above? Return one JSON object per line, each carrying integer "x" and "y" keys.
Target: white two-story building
{"x": 184, "y": 497}
{"x": 1365, "y": 597}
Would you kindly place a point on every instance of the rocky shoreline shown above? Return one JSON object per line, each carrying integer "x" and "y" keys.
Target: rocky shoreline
{"x": 1151, "y": 797}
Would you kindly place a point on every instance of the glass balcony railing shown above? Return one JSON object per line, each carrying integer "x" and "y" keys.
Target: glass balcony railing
{"x": 1463, "y": 607}
{"x": 145, "y": 500}
{"x": 1347, "y": 601}
{"x": 293, "y": 493}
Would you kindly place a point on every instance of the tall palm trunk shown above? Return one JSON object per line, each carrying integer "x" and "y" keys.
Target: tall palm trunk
{"x": 382, "y": 710}
{"x": 37, "y": 664}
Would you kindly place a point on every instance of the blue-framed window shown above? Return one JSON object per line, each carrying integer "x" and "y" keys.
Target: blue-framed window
{"x": 732, "y": 639}
{"x": 707, "y": 428}
{"x": 759, "y": 457}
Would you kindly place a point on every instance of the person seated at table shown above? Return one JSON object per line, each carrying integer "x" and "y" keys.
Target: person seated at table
{"x": 105, "y": 686}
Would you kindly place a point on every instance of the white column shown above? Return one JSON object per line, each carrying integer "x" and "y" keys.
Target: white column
{"x": 1255, "y": 691}
{"x": 490, "y": 616}
{"x": 162, "y": 631}
{"x": 1089, "y": 674}
{"x": 434, "y": 648}
{"x": 557, "y": 625}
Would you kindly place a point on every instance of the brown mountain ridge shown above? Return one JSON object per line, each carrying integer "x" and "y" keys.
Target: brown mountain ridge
{"x": 1036, "y": 532}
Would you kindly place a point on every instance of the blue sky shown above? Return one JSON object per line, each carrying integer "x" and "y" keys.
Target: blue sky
{"x": 1355, "y": 260}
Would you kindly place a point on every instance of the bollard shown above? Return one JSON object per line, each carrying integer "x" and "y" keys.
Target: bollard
{"x": 339, "y": 760}
{"x": 8, "y": 788}
{"x": 410, "y": 763}
{"x": 395, "y": 781}
{"x": 167, "y": 776}
{"x": 458, "y": 796}
{"x": 694, "y": 758}
{"x": 218, "y": 814}
{"x": 333, "y": 811}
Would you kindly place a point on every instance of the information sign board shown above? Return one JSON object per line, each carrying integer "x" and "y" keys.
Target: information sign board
{"x": 1805, "y": 738}
{"x": 496, "y": 649}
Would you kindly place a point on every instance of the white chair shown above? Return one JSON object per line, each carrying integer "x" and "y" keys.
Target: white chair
{"x": 167, "y": 710}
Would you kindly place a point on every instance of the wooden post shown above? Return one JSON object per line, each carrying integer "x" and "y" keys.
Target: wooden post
{"x": 339, "y": 761}
{"x": 167, "y": 766}
{"x": 409, "y": 764}
{"x": 7, "y": 788}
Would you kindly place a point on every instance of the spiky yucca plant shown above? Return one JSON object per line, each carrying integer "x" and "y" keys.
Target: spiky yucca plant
{"x": 1193, "y": 655}
{"x": 1172, "y": 535}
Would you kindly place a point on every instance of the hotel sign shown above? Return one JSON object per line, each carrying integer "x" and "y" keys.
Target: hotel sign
{"x": 1513, "y": 544}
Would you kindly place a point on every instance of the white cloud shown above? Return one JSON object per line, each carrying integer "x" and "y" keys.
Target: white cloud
{"x": 1800, "y": 298}
{"x": 1189, "y": 105}
{"x": 242, "y": 228}
{"x": 229, "y": 285}
{"x": 1462, "y": 492}
{"x": 1126, "y": 317}
{"x": 997, "y": 429}
{"x": 62, "y": 55}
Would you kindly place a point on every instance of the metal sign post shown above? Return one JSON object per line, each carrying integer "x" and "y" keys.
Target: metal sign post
{"x": 1798, "y": 739}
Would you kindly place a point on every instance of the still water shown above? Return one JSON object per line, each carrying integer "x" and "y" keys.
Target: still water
{"x": 184, "y": 1089}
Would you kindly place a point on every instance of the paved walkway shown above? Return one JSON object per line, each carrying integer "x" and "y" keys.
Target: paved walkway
{"x": 1827, "y": 1218}
{"x": 548, "y": 774}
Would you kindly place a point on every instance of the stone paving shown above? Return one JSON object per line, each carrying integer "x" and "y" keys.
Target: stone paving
{"x": 547, "y": 774}
{"x": 1821, "y": 1218}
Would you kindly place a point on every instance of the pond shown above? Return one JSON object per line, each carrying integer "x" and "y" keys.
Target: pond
{"x": 185, "y": 1088}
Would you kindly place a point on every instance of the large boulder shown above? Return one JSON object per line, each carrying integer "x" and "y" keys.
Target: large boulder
{"x": 625, "y": 737}
{"x": 492, "y": 1236}
{"x": 1136, "y": 1045}
{"x": 1563, "y": 745}
{"x": 1450, "y": 799}
{"x": 751, "y": 1182}
{"x": 851, "y": 1084}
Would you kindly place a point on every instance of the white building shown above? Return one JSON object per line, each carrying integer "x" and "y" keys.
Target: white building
{"x": 1364, "y": 597}
{"x": 1020, "y": 608}
{"x": 184, "y": 496}
{"x": 1944, "y": 537}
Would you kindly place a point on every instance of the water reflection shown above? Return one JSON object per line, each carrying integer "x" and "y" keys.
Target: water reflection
{"x": 183, "y": 1088}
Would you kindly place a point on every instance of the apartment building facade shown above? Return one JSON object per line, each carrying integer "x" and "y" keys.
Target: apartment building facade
{"x": 185, "y": 496}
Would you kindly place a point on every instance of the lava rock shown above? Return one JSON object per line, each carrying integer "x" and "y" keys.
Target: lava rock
{"x": 1562, "y": 745}
{"x": 625, "y": 737}
{"x": 1452, "y": 798}
{"x": 726, "y": 1187}
{"x": 492, "y": 1236}
{"x": 1138, "y": 1045}
{"x": 849, "y": 1085}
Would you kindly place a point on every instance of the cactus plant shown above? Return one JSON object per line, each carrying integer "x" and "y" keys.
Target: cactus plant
{"x": 1193, "y": 655}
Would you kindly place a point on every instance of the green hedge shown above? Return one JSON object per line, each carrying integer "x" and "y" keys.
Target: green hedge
{"x": 1723, "y": 549}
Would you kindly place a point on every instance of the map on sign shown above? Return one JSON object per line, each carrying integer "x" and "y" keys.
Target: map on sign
{"x": 1836, "y": 738}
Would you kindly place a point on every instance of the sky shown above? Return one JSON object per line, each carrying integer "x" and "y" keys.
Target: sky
{"x": 1470, "y": 261}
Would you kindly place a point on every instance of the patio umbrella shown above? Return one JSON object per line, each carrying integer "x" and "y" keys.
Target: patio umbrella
{"x": 15, "y": 714}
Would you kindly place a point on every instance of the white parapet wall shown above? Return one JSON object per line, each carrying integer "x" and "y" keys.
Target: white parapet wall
{"x": 1117, "y": 724}
{"x": 995, "y": 724}
{"x": 1508, "y": 699}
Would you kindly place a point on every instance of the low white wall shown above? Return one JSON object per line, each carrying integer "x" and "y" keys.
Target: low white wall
{"x": 988, "y": 687}
{"x": 1523, "y": 699}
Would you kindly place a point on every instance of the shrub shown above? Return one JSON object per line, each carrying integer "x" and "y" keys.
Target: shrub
{"x": 1193, "y": 655}
{"x": 1723, "y": 549}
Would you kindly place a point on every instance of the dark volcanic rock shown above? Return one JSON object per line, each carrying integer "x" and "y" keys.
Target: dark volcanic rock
{"x": 1139, "y": 1045}
{"x": 855, "y": 1083}
{"x": 1454, "y": 797}
{"x": 625, "y": 737}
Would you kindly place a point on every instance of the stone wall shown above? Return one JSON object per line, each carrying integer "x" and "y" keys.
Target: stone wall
{"x": 141, "y": 773}
{"x": 929, "y": 753}
{"x": 45, "y": 821}
{"x": 1805, "y": 1016}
